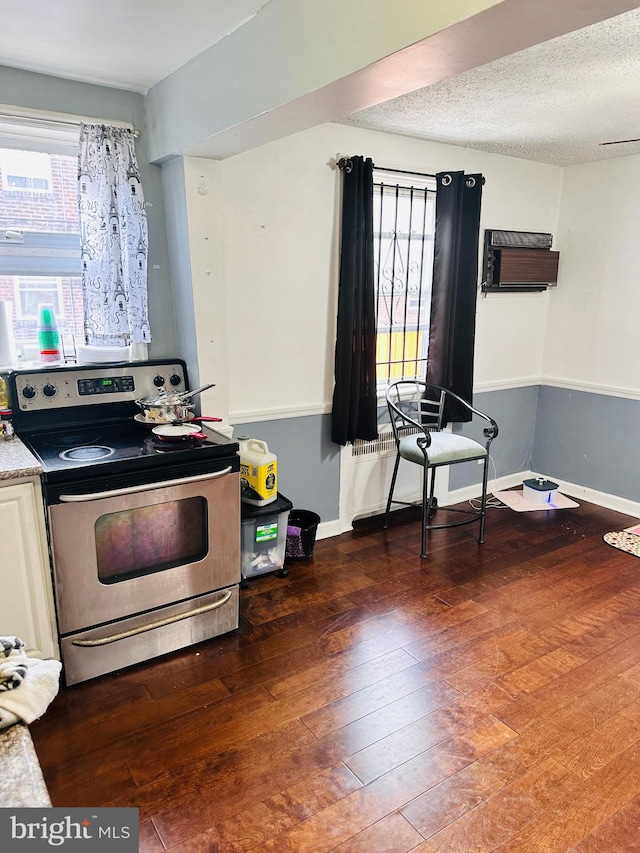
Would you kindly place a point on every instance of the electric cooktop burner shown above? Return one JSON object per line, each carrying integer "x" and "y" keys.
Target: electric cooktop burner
{"x": 71, "y": 439}
{"x": 90, "y": 453}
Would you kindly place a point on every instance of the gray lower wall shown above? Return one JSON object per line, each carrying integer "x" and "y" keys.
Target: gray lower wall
{"x": 514, "y": 410}
{"x": 588, "y": 439}
{"x": 308, "y": 461}
{"x": 582, "y": 438}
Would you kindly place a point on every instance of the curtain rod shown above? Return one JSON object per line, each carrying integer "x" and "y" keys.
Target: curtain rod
{"x": 344, "y": 164}
{"x": 64, "y": 121}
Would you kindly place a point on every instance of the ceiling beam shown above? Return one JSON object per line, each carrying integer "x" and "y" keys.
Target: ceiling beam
{"x": 300, "y": 63}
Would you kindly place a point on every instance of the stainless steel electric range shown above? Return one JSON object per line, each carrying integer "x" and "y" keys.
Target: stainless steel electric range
{"x": 144, "y": 534}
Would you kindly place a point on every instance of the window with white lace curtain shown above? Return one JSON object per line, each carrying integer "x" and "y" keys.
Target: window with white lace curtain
{"x": 73, "y": 233}
{"x": 39, "y": 232}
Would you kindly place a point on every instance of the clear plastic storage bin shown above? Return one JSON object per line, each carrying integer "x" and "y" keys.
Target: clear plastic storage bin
{"x": 264, "y": 538}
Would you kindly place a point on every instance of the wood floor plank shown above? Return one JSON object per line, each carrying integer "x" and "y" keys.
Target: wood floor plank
{"x": 576, "y": 626}
{"x": 575, "y": 814}
{"x": 252, "y": 773}
{"x": 155, "y": 754}
{"x": 366, "y": 806}
{"x": 499, "y": 662}
{"x": 362, "y": 702}
{"x": 445, "y": 803}
{"x": 405, "y": 744}
{"x": 214, "y": 790}
{"x": 148, "y": 839}
{"x": 265, "y": 820}
{"x": 392, "y": 834}
{"x": 454, "y": 636}
{"x": 482, "y": 829}
{"x": 578, "y": 681}
{"x": 585, "y": 755}
{"x": 619, "y": 833}
{"x": 297, "y": 596}
{"x": 414, "y": 628}
{"x": 485, "y": 698}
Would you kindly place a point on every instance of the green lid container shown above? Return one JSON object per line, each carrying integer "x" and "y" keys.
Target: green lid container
{"x": 47, "y": 317}
{"x": 48, "y": 334}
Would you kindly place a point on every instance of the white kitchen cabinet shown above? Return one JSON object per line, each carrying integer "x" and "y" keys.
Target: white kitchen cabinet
{"x": 26, "y": 599}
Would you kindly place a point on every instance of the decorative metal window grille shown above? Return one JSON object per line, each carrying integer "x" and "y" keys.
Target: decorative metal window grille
{"x": 403, "y": 226}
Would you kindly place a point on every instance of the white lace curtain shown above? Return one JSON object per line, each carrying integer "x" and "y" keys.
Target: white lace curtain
{"x": 114, "y": 240}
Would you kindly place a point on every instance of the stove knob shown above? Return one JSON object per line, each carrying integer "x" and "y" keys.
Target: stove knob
{"x": 49, "y": 390}
{"x": 174, "y": 379}
{"x": 158, "y": 381}
{"x": 29, "y": 392}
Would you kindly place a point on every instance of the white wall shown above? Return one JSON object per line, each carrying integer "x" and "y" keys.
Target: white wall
{"x": 592, "y": 331}
{"x": 202, "y": 187}
{"x": 280, "y": 205}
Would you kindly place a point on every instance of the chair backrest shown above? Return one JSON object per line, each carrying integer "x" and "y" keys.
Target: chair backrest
{"x": 412, "y": 408}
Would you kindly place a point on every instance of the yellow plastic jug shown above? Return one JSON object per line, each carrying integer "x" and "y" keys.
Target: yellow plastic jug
{"x": 258, "y": 472}
{"x": 4, "y": 398}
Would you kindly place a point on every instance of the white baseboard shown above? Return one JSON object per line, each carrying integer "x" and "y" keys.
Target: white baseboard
{"x": 603, "y": 499}
{"x": 573, "y": 490}
{"x": 326, "y": 529}
{"x": 593, "y": 496}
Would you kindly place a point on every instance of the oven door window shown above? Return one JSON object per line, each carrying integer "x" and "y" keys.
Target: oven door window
{"x": 149, "y": 539}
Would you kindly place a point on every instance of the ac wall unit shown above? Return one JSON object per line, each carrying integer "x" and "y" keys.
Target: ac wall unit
{"x": 518, "y": 261}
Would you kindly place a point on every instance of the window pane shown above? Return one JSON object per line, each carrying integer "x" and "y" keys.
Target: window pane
{"x": 38, "y": 191}
{"x": 25, "y": 170}
{"x": 404, "y": 222}
{"x": 26, "y": 293}
{"x": 38, "y": 195}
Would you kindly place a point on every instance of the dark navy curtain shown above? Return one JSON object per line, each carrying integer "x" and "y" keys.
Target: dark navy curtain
{"x": 354, "y": 411}
{"x": 455, "y": 285}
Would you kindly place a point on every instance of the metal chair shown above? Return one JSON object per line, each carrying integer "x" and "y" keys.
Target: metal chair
{"x": 416, "y": 410}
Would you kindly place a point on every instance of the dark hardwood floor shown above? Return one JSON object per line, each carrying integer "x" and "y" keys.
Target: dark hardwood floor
{"x": 487, "y": 698}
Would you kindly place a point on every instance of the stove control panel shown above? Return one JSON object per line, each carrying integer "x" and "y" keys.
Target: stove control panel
{"x": 58, "y": 388}
{"x": 103, "y": 385}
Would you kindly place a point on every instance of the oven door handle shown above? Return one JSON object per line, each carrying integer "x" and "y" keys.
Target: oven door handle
{"x": 116, "y": 493}
{"x": 158, "y": 623}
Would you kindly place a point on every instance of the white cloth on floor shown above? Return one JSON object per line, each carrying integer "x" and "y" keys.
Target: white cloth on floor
{"x": 32, "y": 697}
{"x": 10, "y": 644}
{"x": 13, "y": 663}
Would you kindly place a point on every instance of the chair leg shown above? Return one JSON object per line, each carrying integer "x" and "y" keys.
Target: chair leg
{"x": 433, "y": 503}
{"x": 385, "y": 523}
{"x": 426, "y": 508}
{"x": 483, "y": 503}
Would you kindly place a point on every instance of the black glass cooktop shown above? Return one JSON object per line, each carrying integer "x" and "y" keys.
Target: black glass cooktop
{"x": 122, "y": 446}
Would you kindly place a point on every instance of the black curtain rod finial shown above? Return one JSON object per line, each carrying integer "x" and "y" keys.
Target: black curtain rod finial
{"x": 345, "y": 164}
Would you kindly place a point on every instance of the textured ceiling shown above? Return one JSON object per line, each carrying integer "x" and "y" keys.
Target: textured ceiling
{"x": 553, "y": 103}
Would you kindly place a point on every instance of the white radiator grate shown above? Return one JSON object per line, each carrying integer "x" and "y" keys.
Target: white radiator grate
{"x": 380, "y": 446}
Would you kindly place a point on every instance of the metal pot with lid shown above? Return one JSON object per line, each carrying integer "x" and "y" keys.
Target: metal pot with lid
{"x": 169, "y": 407}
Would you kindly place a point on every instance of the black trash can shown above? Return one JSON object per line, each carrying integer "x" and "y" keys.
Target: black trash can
{"x": 302, "y": 527}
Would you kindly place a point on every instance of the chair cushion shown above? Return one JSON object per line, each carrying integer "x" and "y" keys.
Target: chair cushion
{"x": 444, "y": 449}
